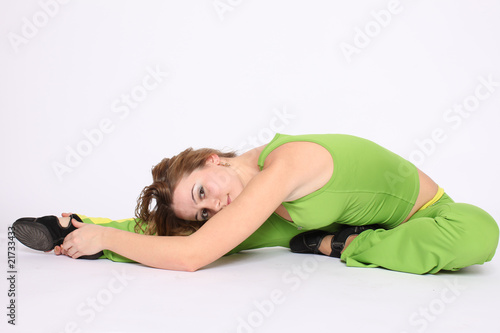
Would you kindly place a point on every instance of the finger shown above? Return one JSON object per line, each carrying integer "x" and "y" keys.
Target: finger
{"x": 65, "y": 249}
{"x": 59, "y": 251}
{"x": 74, "y": 254}
{"x": 77, "y": 224}
{"x": 68, "y": 252}
{"x": 66, "y": 214}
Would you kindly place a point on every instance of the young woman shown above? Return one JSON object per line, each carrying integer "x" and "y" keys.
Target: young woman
{"x": 354, "y": 200}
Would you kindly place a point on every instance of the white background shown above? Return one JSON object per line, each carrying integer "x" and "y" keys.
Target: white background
{"x": 236, "y": 75}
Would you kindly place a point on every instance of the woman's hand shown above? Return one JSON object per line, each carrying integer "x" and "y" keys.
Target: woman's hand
{"x": 85, "y": 240}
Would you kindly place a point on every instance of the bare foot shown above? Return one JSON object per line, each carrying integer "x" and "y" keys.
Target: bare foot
{"x": 326, "y": 244}
{"x": 348, "y": 241}
{"x": 64, "y": 221}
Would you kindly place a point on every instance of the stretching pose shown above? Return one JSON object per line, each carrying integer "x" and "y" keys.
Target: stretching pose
{"x": 330, "y": 194}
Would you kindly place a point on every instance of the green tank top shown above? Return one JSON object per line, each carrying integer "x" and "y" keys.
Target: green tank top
{"x": 369, "y": 184}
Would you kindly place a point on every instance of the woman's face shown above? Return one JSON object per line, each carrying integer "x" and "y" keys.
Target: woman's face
{"x": 201, "y": 194}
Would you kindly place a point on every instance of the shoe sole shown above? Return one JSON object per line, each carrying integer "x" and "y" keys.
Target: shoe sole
{"x": 34, "y": 235}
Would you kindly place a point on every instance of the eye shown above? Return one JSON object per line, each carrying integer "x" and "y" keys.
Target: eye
{"x": 202, "y": 192}
{"x": 204, "y": 214}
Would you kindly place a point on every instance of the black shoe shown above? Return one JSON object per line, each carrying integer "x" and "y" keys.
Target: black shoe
{"x": 309, "y": 241}
{"x": 338, "y": 240}
{"x": 45, "y": 233}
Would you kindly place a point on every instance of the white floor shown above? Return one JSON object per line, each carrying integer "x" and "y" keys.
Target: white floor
{"x": 267, "y": 290}
{"x": 423, "y": 81}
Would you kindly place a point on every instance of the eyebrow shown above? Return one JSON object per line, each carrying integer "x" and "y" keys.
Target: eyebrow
{"x": 192, "y": 197}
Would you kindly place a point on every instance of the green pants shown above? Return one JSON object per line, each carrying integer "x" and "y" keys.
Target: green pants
{"x": 444, "y": 236}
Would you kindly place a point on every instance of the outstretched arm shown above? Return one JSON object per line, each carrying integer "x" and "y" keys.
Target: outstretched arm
{"x": 288, "y": 174}
{"x": 219, "y": 235}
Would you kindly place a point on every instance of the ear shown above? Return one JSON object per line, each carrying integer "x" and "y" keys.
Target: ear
{"x": 214, "y": 158}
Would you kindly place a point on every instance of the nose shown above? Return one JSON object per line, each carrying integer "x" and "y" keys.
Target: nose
{"x": 216, "y": 205}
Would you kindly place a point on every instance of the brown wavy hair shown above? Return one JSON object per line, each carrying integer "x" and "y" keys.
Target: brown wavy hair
{"x": 154, "y": 213}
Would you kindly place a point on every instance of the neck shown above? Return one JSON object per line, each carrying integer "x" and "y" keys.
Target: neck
{"x": 245, "y": 165}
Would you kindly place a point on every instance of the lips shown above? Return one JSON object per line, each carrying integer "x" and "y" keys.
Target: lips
{"x": 228, "y": 199}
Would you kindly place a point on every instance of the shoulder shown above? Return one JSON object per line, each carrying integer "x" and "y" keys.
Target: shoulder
{"x": 298, "y": 150}
{"x": 307, "y": 166}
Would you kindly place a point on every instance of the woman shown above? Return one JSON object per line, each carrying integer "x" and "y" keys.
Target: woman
{"x": 393, "y": 215}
